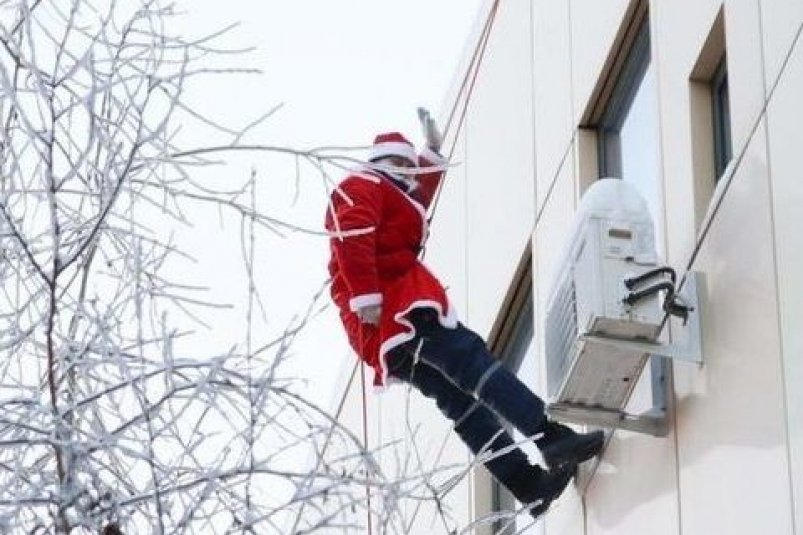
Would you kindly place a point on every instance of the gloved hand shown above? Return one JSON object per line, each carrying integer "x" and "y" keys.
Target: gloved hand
{"x": 370, "y": 314}
{"x": 431, "y": 132}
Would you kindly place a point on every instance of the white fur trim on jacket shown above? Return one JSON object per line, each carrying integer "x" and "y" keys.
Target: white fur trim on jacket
{"x": 365, "y": 300}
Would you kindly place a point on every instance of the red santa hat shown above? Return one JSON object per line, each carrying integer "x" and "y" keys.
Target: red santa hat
{"x": 392, "y": 144}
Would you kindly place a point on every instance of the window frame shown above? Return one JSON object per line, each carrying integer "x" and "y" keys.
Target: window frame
{"x": 629, "y": 80}
{"x": 512, "y": 354}
{"x": 721, "y": 118}
{"x": 511, "y": 335}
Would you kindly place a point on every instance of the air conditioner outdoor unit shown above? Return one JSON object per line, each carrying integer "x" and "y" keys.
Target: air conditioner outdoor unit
{"x": 607, "y": 310}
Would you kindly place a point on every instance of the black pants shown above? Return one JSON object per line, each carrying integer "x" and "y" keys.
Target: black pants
{"x": 470, "y": 387}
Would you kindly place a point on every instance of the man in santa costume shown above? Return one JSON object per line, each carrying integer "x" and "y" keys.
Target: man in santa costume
{"x": 400, "y": 322}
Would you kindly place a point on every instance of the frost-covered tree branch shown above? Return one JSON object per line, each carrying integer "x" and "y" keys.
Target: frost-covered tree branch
{"x": 111, "y": 421}
{"x": 109, "y": 424}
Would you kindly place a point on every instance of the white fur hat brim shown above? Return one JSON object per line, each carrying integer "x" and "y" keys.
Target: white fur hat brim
{"x": 394, "y": 148}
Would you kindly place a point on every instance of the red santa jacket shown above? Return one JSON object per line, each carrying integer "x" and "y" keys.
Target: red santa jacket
{"x": 377, "y": 233}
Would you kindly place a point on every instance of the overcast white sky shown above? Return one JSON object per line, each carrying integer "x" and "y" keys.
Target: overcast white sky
{"x": 344, "y": 70}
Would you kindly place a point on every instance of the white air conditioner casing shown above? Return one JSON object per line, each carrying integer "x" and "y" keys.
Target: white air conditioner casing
{"x": 613, "y": 239}
{"x": 598, "y": 342}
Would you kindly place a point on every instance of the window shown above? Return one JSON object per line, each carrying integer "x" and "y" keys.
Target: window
{"x": 720, "y": 106}
{"x": 621, "y": 101}
{"x": 627, "y": 132}
{"x": 709, "y": 100}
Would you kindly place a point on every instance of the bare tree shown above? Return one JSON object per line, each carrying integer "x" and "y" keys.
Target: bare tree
{"x": 106, "y": 423}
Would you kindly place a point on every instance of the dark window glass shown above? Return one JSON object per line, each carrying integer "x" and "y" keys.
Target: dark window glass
{"x": 720, "y": 104}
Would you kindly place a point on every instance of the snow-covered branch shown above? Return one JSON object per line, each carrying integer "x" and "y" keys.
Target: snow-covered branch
{"x": 111, "y": 420}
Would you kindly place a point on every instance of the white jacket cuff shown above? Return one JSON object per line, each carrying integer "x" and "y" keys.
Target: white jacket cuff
{"x": 365, "y": 300}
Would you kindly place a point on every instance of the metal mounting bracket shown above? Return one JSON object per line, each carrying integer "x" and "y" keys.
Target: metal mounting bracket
{"x": 686, "y": 347}
{"x": 690, "y": 346}
{"x": 652, "y": 422}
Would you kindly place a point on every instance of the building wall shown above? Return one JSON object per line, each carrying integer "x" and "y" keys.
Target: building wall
{"x": 733, "y": 461}
{"x": 492, "y": 157}
{"x": 738, "y": 420}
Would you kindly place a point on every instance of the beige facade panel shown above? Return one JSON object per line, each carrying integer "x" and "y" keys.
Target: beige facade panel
{"x": 552, "y": 91}
{"x": 731, "y": 427}
{"x": 445, "y": 253}
{"x": 785, "y": 117}
{"x": 594, "y": 28}
{"x": 745, "y": 67}
{"x": 500, "y": 166}
{"x": 679, "y": 35}
{"x": 635, "y": 489}
{"x": 781, "y": 22}
{"x": 567, "y": 516}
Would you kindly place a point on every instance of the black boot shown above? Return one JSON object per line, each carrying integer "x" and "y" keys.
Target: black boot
{"x": 562, "y": 447}
{"x": 536, "y": 488}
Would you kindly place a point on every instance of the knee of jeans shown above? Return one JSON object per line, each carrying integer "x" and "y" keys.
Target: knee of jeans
{"x": 455, "y": 407}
